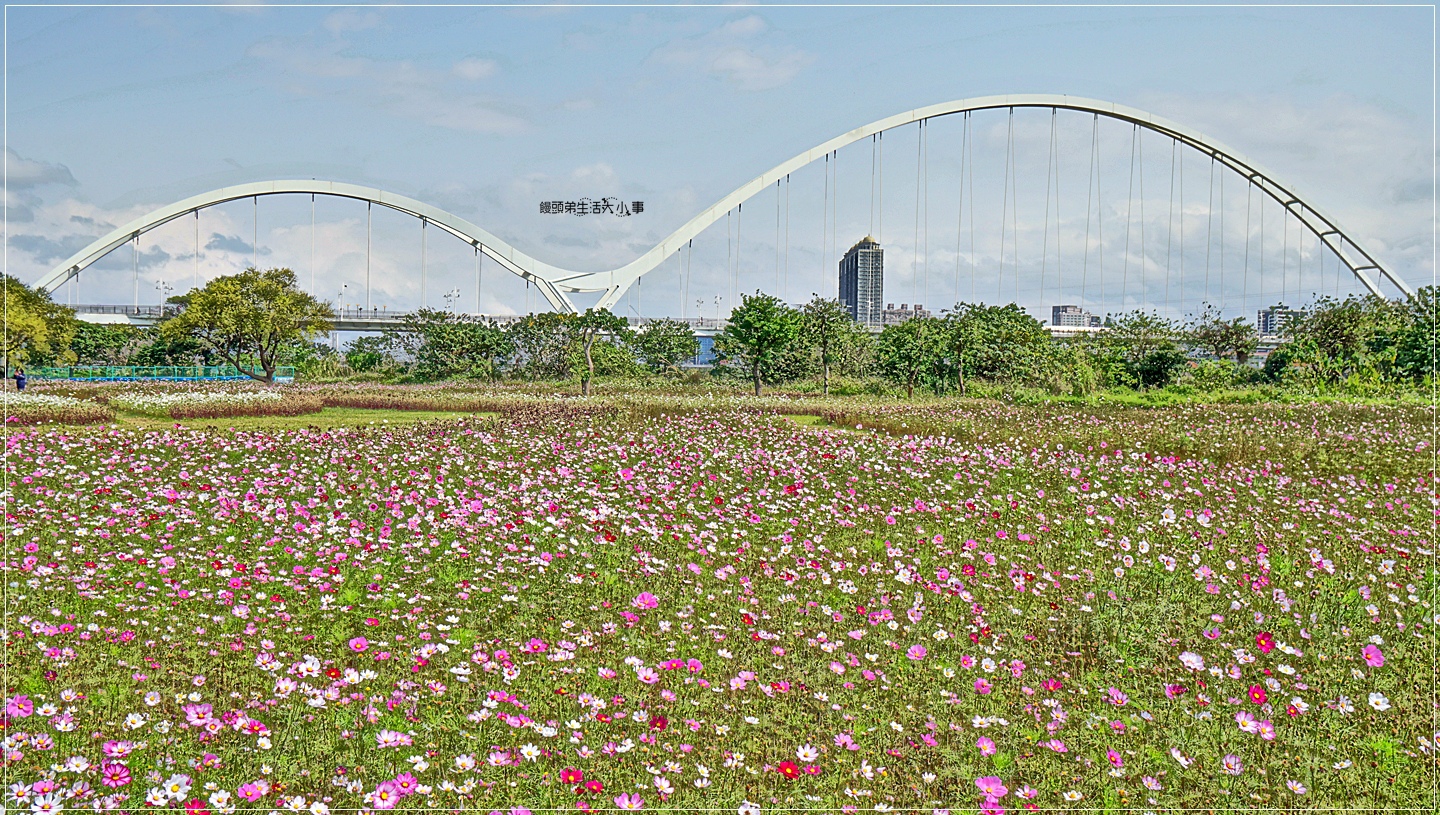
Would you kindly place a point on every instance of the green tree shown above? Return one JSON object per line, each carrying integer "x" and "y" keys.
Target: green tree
{"x": 1147, "y": 346}
{"x": 544, "y": 345}
{"x": 1336, "y": 340}
{"x": 369, "y": 353}
{"x": 998, "y": 344}
{"x": 1416, "y": 341}
{"x": 911, "y": 351}
{"x": 1223, "y": 339}
{"x": 446, "y": 345}
{"x": 251, "y": 316}
{"x": 664, "y": 344}
{"x": 37, "y": 329}
{"x": 102, "y": 344}
{"x": 589, "y": 327}
{"x": 827, "y": 327}
{"x": 758, "y": 334}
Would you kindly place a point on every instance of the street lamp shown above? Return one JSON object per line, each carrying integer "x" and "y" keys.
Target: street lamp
{"x": 164, "y": 289}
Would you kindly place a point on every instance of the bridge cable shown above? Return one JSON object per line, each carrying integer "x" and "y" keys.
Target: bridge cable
{"x": 785, "y": 286}
{"x": 195, "y": 278}
{"x": 739, "y": 214}
{"x": 1005, "y": 207}
{"x": 777, "y": 237}
{"x": 960, "y": 210}
{"x": 1222, "y": 240}
{"x": 255, "y": 247}
{"x": 1099, "y": 213}
{"x": 1182, "y": 225}
{"x": 1045, "y": 239}
{"x": 1209, "y": 224}
{"x": 1261, "y": 250}
{"x": 312, "y": 241}
{"x": 971, "y": 163}
{"x": 477, "y": 279}
{"x": 369, "y": 223}
{"x": 880, "y": 224}
{"x": 915, "y": 245}
{"x": 825, "y": 218}
{"x": 835, "y": 216}
{"x": 1140, "y": 162}
{"x": 423, "y": 223}
{"x": 1059, "y": 255}
{"x": 1089, "y": 200}
{"x": 685, "y": 277}
{"x": 872, "y": 184}
{"x": 1285, "y": 255}
{"x": 1015, "y": 209}
{"x": 926, "y": 232}
{"x": 1129, "y": 205}
{"x": 135, "y": 261}
{"x": 1245, "y": 274}
{"x": 1170, "y": 223}
{"x": 729, "y": 257}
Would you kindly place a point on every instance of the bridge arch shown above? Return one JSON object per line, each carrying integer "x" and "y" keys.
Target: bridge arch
{"x": 554, "y": 281}
{"x": 546, "y": 277}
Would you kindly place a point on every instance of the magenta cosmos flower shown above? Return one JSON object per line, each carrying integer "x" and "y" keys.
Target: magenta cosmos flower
{"x": 645, "y": 600}
{"x": 1373, "y": 656}
{"x": 916, "y": 652}
{"x": 359, "y": 644}
{"x": 991, "y": 786}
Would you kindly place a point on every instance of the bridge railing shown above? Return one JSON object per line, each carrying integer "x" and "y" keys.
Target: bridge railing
{"x": 152, "y": 373}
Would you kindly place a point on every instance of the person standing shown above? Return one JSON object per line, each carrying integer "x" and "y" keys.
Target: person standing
{"x": 19, "y": 379}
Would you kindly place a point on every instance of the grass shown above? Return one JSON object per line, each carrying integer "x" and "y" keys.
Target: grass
{"x": 327, "y": 418}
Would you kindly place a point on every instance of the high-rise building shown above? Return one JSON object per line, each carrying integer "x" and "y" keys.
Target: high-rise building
{"x": 1072, "y": 317}
{"x": 1272, "y": 321}
{"x": 862, "y": 273}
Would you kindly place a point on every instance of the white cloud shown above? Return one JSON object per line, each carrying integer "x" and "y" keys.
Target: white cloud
{"x": 475, "y": 68}
{"x": 346, "y": 20}
{"x": 399, "y": 87}
{"x": 734, "y": 53}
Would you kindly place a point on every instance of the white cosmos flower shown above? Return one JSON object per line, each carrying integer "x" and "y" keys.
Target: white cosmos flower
{"x": 1379, "y": 702}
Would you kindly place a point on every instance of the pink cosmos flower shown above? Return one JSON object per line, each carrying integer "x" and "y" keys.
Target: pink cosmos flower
{"x": 916, "y": 652}
{"x": 1114, "y": 758}
{"x": 629, "y": 801}
{"x": 19, "y": 706}
{"x": 251, "y": 791}
{"x": 645, "y": 600}
{"x": 1231, "y": 764}
{"x": 1373, "y": 656}
{"x": 115, "y": 775}
{"x": 359, "y": 644}
{"x": 987, "y": 747}
{"x": 982, "y": 686}
{"x": 386, "y": 795}
{"x": 991, "y": 786}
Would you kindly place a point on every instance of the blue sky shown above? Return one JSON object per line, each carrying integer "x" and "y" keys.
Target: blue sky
{"x": 485, "y": 112}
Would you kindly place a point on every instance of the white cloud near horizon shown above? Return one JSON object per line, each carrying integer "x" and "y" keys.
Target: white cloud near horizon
{"x": 736, "y": 53}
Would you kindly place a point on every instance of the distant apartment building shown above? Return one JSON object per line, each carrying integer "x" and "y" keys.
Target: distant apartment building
{"x": 1272, "y": 321}
{"x": 896, "y": 316}
{"x": 1073, "y": 317}
{"x": 862, "y": 281}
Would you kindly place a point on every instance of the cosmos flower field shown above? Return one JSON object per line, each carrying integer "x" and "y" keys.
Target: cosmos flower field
{"x": 961, "y": 606}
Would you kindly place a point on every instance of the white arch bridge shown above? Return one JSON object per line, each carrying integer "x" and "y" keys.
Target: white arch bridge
{"x": 556, "y": 283}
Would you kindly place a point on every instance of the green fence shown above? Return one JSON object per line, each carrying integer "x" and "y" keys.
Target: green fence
{"x": 152, "y": 373}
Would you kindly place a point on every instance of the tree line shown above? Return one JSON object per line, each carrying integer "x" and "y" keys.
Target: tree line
{"x": 258, "y": 320}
